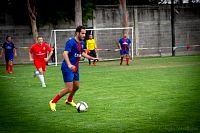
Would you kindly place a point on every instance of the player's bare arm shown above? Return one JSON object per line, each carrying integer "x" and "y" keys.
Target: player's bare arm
{"x": 119, "y": 45}
{"x": 89, "y": 57}
{"x": 30, "y": 56}
{"x": 66, "y": 57}
{"x": 49, "y": 56}
{"x": 15, "y": 52}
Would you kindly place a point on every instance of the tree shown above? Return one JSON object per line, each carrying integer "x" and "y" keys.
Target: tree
{"x": 87, "y": 10}
{"x": 124, "y": 13}
{"x": 78, "y": 13}
{"x": 33, "y": 17}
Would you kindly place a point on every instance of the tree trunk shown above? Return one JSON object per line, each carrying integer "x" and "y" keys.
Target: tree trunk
{"x": 32, "y": 16}
{"x": 124, "y": 13}
{"x": 78, "y": 13}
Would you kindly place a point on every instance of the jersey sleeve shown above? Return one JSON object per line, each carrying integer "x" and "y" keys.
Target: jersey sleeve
{"x": 4, "y": 45}
{"x": 13, "y": 45}
{"x": 31, "y": 49}
{"x": 49, "y": 49}
{"x": 95, "y": 45}
{"x": 83, "y": 46}
{"x": 86, "y": 44}
{"x": 120, "y": 41}
{"x": 129, "y": 42}
{"x": 68, "y": 46}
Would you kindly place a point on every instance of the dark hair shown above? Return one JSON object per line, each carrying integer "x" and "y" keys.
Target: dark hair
{"x": 39, "y": 37}
{"x": 79, "y": 28}
{"x": 7, "y": 37}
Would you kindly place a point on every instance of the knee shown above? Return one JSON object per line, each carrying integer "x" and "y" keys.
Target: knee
{"x": 10, "y": 62}
{"x": 76, "y": 88}
{"x": 41, "y": 72}
{"x": 70, "y": 90}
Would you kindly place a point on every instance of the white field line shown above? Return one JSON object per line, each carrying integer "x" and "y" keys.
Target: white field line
{"x": 7, "y": 77}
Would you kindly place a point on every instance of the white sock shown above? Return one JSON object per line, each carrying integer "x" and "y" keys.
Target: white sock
{"x": 41, "y": 77}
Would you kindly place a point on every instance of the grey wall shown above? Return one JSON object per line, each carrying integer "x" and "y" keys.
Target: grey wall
{"x": 152, "y": 27}
{"x": 22, "y": 39}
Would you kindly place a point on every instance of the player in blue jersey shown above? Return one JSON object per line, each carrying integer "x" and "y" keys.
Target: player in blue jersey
{"x": 70, "y": 67}
{"x": 9, "y": 52}
{"x": 124, "y": 46}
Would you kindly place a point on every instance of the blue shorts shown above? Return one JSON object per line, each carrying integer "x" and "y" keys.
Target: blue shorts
{"x": 124, "y": 52}
{"x": 9, "y": 57}
{"x": 69, "y": 76}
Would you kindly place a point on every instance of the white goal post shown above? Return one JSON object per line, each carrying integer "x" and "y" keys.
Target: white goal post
{"x": 106, "y": 39}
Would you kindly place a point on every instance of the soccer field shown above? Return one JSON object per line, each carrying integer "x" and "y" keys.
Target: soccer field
{"x": 160, "y": 94}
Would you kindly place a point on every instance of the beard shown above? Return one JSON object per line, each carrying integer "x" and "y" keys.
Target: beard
{"x": 81, "y": 38}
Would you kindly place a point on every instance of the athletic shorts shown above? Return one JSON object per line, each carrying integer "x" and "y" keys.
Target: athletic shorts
{"x": 93, "y": 53}
{"x": 123, "y": 52}
{"x": 69, "y": 76}
{"x": 9, "y": 57}
{"x": 40, "y": 64}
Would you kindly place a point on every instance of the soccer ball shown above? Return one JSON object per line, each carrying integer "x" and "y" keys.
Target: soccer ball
{"x": 81, "y": 106}
{"x": 37, "y": 72}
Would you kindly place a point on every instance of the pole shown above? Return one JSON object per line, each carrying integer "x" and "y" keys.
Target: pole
{"x": 172, "y": 28}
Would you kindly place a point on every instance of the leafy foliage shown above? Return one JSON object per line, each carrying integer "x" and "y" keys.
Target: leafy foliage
{"x": 47, "y": 11}
{"x": 54, "y": 11}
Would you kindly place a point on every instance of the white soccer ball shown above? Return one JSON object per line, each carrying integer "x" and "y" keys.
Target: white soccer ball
{"x": 81, "y": 106}
{"x": 37, "y": 72}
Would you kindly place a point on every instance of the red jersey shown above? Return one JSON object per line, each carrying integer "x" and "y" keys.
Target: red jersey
{"x": 40, "y": 51}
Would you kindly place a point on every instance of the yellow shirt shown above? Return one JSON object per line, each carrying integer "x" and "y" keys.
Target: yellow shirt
{"x": 91, "y": 44}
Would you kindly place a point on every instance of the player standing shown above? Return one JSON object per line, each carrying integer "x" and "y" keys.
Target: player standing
{"x": 91, "y": 47}
{"x": 70, "y": 67}
{"x": 9, "y": 51}
{"x": 37, "y": 54}
{"x": 124, "y": 46}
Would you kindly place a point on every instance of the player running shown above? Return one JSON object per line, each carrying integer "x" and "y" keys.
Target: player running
{"x": 70, "y": 67}
{"x": 9, "y": 51}
{"x": 37, "y": 54}
{"x": 124, "y": 46}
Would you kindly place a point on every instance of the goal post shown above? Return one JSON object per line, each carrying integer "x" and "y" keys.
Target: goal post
{"x": 106, "y": 39}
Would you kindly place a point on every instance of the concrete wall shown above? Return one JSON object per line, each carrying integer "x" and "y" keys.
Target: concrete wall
{"x": 152, "y": 27}
{"x": 22, "y": 39}
{"x": 151, "y": 24}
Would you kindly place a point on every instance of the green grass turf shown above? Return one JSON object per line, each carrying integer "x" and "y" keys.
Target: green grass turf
{"x": 150, "y": 95}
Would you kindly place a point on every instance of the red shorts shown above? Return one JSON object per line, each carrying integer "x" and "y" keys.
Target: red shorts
{"x": 40, "y": 64}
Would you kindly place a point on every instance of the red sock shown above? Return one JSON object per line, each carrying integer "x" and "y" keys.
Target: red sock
{"x": 55, "y": 99}
{"x": 6, "y": 66}
{"x": 127, "y": 60}
{"x": 10, "y": 68}
{"x": 69, "y": 99}
{"x": 121, "y": 60}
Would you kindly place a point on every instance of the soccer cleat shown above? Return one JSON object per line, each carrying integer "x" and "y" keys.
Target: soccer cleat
{"x": 10, "y": 72}
{"x": 72, "y": 103}
{"x": 44, "y": 85}
{"x": 52, "y": 106}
